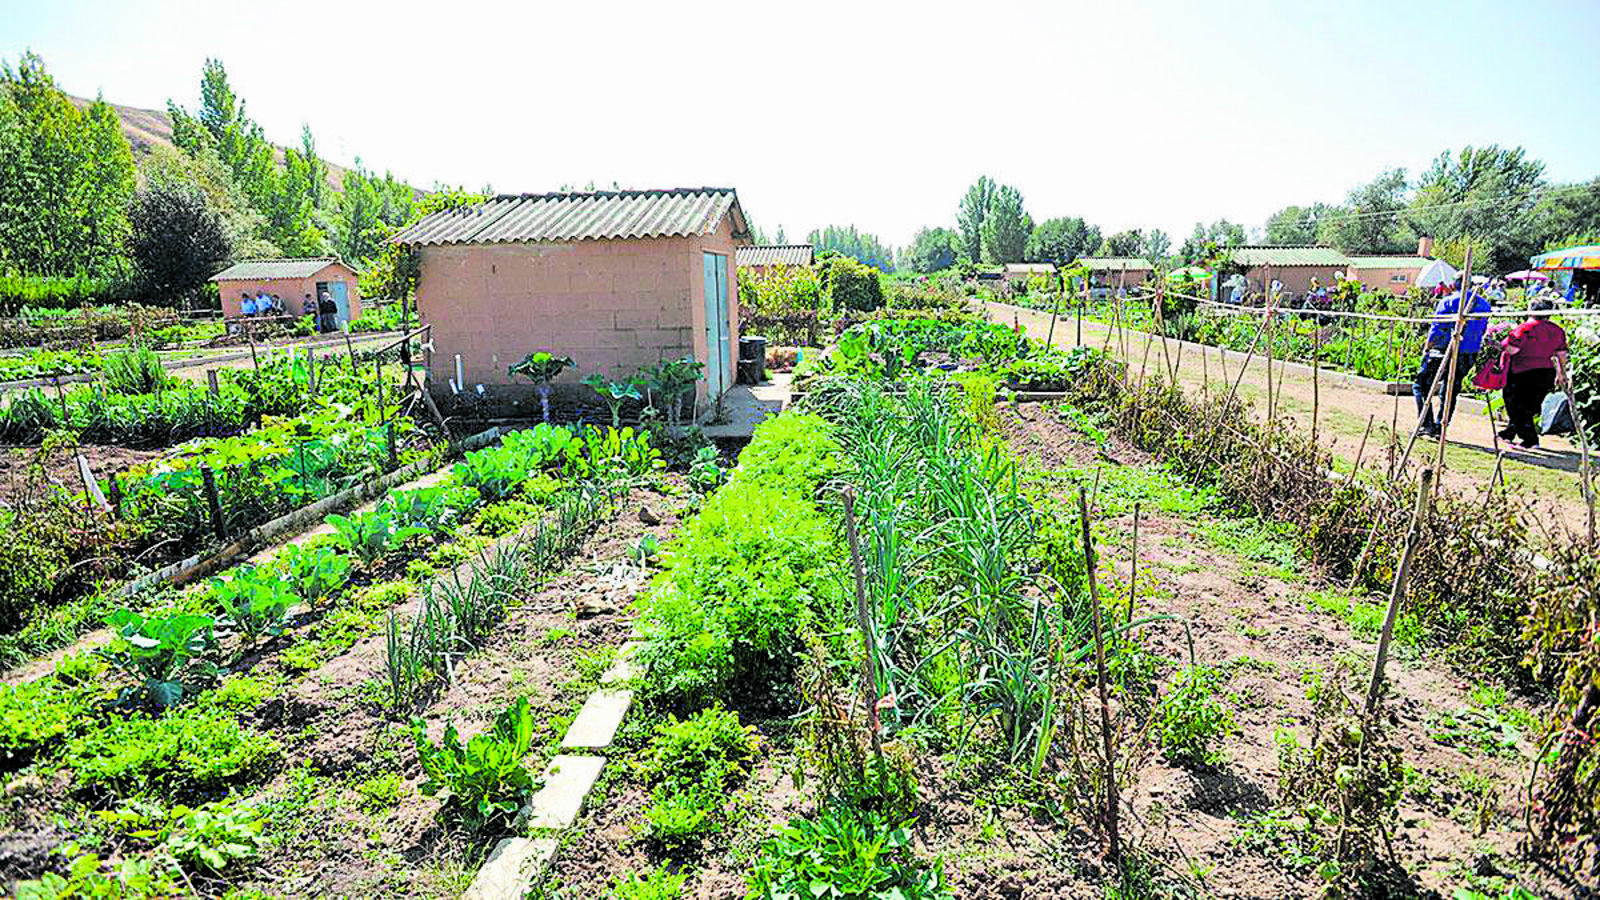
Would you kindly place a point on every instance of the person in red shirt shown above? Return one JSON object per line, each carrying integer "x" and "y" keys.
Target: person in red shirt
{"x": 1538, "y": 349}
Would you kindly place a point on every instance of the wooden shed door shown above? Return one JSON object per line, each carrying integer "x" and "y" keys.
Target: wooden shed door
{"x": 717, "y": 330}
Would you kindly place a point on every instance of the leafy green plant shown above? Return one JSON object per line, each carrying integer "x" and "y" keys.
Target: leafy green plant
{"x": 704, "y": 473}
{"x": 314, "y": 571}
{"x": 163, "y": 654}
{"x": 844, "y": 854}
{"x": 372, "y": 533}
{"x": 136, "y": 370}
{"x": 619, "y": 452}
{"x": 215, "y": 837}
{"x": 431, "y": 508}
{"x": 132, "y": 877}
{"x": 485, "y": 779}
{"x": 614, "y": 394}
{"x": 1192, "y": 724}
{"x": 35, "y": 714}
{"x": 254, "y": 602}
{"x": 645, "y": 550}
{"x": 654, "y": 884}
{"x": 670, "y": 381}
{"x": 184, "y": 752}
{"x": 541, "y": 368}
{"x": 709, "y": 748}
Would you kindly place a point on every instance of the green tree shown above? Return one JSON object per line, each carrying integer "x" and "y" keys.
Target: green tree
{"x": 1006, "y": 227}
{"x": 969, "y": 217}
{"x": 393, "y": 273}
{"x": 1484, "y": 192}
{"x": 1298, "y": 225}
{"x": 858, "y": 245}
{"x": 1156, "y": 245}
{"x": 369, "y": 209}
{"x": 1371, "y": 219}
{"x": 1206, "y": 238}
{"x": 1567, "y": 215}
{"x": 66, "y": 175}
{"x": 931, "y": 250}
{"x": 179, "y": 241}
{"x": 1061, "y": 240}
{"x": 1123, "y": 243}
{"x": 208, "y": 174}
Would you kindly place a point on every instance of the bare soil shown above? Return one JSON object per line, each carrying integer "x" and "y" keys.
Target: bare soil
{"x": 61, "y": 469}
{"x": 1252, "y": 621}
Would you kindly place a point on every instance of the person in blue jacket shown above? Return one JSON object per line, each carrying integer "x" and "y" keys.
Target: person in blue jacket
{"x": 1436, "y": 362}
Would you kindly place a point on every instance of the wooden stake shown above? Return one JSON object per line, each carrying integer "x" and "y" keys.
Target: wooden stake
{"x": 254, "y": 362}
{"x": 209, "y": 481}
{"x": 1316, "y": 379}
{"x": 1397, "y": 591}
{"x": 1114, "y": 853}
{"x": 1133, "y": 577}
{"x": 1452, "y": 387}
{"x": 1356, "y": 470}
{"x": 211, "y": 382}
{"x": 350, "y": 348}
{"x": 869, "y": 659}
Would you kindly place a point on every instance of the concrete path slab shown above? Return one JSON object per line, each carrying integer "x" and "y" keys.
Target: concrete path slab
{"x": 625, "y": 667}
{"x": 511, "y": 869}
{"x": 598, "y": 720}
{"x": 567, "y": 783}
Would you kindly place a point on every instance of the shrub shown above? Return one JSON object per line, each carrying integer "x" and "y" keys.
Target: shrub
{"x": 850, "y": 285}
{"x": 485, "y": 778}
{"x": 184, "y": 752}
{"x": 845, "y": 854}
{"x": 1192, "y": 723}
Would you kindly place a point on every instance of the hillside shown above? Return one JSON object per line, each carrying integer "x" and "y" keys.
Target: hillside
{"x": 145, "y": 128}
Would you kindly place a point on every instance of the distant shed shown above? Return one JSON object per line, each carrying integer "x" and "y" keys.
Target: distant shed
{"x": 1294, "y": 266}
{"x": 1021, "y": 272}
{"x": 760, "y": 257}
{"x": 617, "y": 280}
{"x": 1395, "y": 274}
{"x": 295, "y": 281}
{"x": 1117, "y": 271}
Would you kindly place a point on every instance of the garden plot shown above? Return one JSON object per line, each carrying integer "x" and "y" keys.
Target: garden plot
{"x": 903, "y": 653}
{"x": 299, "y": 662}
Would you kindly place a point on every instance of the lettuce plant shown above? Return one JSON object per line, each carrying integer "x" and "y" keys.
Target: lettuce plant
{"x": 314, "y": 572}
{"x": 371, "y": 534}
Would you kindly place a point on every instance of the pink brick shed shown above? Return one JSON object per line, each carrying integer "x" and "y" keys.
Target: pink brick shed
{"x": 617, "y": 280}
{"x": 291, "y": 279}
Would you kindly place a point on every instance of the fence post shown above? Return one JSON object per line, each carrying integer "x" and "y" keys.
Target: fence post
{"x": 115, "y": 485}
{"x": 211, "y": 381}
{"x": 350, "y": 348}
{"x": 217, "y": 522}
{"x": 394, "y": 456}
{"x": 311, "y": 372}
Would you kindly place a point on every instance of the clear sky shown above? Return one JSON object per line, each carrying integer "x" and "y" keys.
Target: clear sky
{"x": 1130, "y": 114}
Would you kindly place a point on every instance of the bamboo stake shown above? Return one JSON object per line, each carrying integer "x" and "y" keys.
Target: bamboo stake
{"x": 1397, "y": 591}
{"x": 1133, "y": 577}
{"x": 1113, "y": 838}
{"x": 1271, "y": 335}
{"x": 1584, "y": 472}
{"x": 1316, "y": 379}
{"x": 1360, "y": 451}
{"x": 1050, "y": 335}
{"x": 1447, "y": 404}
{"x": 869, "y": 660}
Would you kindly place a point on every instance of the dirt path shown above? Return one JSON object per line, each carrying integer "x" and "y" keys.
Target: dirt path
{"x": 1547, "y": 476}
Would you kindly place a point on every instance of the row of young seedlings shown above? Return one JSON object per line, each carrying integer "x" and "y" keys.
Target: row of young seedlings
{"x": 457, "y": 614}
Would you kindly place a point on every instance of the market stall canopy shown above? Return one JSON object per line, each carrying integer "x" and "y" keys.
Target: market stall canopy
{"x": 1527, "y": 275}
{"x": 1434, "y": 273}
{"x": 1188, "y": 273}
{"x": 1583, "y": 257}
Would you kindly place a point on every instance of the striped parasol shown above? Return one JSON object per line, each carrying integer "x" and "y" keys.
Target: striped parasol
{"x": 1584, "y": 257}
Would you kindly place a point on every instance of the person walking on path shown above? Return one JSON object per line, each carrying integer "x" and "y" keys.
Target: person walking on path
{"x": 1538, "y": 349}
{"x": 1436, "y": 362}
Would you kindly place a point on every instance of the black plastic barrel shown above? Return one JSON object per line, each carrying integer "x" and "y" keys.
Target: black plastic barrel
{"x": 752, "y": 359}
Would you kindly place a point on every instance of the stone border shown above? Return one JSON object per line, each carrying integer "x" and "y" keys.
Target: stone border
{"x": 516, "y": 863}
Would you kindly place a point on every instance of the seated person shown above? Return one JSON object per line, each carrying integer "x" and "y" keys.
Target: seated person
{"x": 247, "y": 306}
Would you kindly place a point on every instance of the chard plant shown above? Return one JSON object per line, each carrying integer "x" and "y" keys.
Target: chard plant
{"x": 253, "y": 602}
{"x": 484, "y": 780}
{"x": 541, "y": 368}
{"x": 371, "y": 534}
{"x": 314, "y": 573}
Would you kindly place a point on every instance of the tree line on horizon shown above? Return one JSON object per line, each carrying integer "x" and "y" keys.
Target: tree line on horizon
{"x": 75, "y": 201}
{"x": 1495, "y": 200}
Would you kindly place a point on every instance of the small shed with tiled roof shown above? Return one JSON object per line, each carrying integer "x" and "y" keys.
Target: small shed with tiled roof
{"x": 1117, "y": 271}
{"x": 1295, "y": 267}
{"x": 616, "y": 280}
{"x": 1395, "y": 274}
{"x": 298, "y": 283}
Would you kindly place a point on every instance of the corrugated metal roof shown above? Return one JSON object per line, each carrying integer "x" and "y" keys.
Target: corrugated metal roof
{"x": 776, "y": 254}
{"x": 257, "y": 269}
{"x": 1096, "y": 263}
{"x": 1030, "y": 268}
{"x": 1388, "y": 262}
{"x": 600, "y": 215}
{"x": 1288, "y": 256}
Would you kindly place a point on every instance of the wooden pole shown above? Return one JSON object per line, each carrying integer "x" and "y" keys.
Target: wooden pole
{"x": 1272, "y": 334}
{"x": 1050, "y": 335}
{"x": 869, "y": 659}
{"x": 1133, "y": 576}
{"x": 218, "y": 523}
{"x": 254, "y": 362}
{"x": 1113, "y": 838}
{"x": 1316, "y": 379}
{"x": 1452, "y": 385}
{"x": 211, "y": 382}
{"x": 1082, "y": 292}
{"x": 350, "y": 348}
{"x": 1360, "y": 451}
{"x": 1397, "y": 591}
